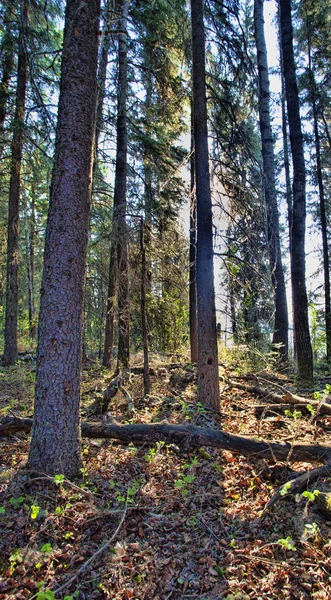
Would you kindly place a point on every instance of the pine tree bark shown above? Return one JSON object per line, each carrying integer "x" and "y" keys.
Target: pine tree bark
{"x": 55, "y": 442}
{"x": 118, "y": 274}
{"x": 298, "y": 261}
{"x": 30, "y": 226}
{"x": 11, "y": 318}
{"x": 208, "y": 378}
{"x": 280, "y": 335}
{"x": 192, "y": 256}
{"x": 143, "y": 308}
{"x": 322, "y": 206}
{"x": 7, "y": 66}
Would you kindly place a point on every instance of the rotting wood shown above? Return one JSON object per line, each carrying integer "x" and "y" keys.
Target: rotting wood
{"x": 188, "y": 437}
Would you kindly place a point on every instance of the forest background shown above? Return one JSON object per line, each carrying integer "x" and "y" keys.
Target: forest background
{"x": 92, "y": 128}
{"x": 158, "y": 121}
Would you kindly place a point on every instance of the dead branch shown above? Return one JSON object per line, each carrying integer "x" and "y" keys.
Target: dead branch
{"x": 287, "y": 398}
{"x": 188, "y": 437}
{"x": 296, "y": 485}
{"x": 261, "y": 409}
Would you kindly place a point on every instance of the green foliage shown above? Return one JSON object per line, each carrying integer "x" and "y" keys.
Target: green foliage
{"x": 311, "y": 496}
{"x": 296, "y": 414}
{"x": 16, "y": 502}
{"x": 287, "y": 543}
{"x": 47, "y": 548}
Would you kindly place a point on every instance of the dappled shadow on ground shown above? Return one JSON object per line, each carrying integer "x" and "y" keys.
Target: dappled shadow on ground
{"x": 194, "y": 525}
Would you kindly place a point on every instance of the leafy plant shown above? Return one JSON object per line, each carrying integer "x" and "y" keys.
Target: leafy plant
{"x": 15, "y": 559}
{"x": 16, "y": 502}
{"x": 311, "y": 530}
{"x": 35, "y": 510}
{"x": 287, "y": 543}
{"x": 285, "y": 489}
{"x": 311, "y": 496}
{"x": 184, "y": 483}
{"x": 58, "y": 479}
{"x": 296, "y": 414}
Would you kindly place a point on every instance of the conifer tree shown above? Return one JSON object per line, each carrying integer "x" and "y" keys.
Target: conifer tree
{"x": 55, "y": 442}
{"x": 298, "y": 261}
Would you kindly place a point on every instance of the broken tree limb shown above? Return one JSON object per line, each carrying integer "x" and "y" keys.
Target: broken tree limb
{"x": 286, "y": 398}
{"x": 188, "y": 437}
{"x": 296, "y": 485}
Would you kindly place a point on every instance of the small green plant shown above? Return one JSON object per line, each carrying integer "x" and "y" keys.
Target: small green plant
{"x": 194, "y": 463}
{"x": 35, "y": 510}
{"x": 16, "y": 502}
{"x": 183, "y": 484}
{"x": 44, "y": 594}
{"x": 285, "y": 489}
{"x": 46, "y": 548}
{"x": 58, "y": 479}
{"x": 154, "y": 453}
{"x": 84, "y": 471}
{"x": 296, "y": 414}
{"x": 311, "y": 496}
{"x": 15, "y": 559}
{"x": 311, "y": 409}
{"x": 311, "y": 530}
{"x": 287, "y": 543}
{"x": 221, "y": 571}
{"x": 2, "y": 510}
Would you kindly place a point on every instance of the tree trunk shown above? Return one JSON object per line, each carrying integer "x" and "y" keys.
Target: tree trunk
{"x": 324, "y": 228}
{"x": 298, "y": 262}
{"x": 102, "y": 76}
{"x": 143, "y": 308}
{"x": 208, "y": 380}
{"x": 11, "y": 318}
{"x": 192, "y": 255}
{"x": 55, "y": 442}
{"x": 118, "y": 274}
{"x": 280, "y": 335}
{"x": 111, "y": 302}
{"x": 7, "y": 65}
{"x": 30, "y": 226}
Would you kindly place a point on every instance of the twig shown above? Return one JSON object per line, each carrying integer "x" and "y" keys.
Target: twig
{"x": 94, "y": 556}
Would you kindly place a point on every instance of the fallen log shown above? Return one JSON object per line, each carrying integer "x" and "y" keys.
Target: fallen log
{"x": 286, "y": 398}
{"x": 188, "y": 437}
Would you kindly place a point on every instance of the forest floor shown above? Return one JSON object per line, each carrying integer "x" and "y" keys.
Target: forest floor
{"x": 187, "y": 525}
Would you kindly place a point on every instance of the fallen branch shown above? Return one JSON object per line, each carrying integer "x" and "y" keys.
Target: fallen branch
{"x": 188, "y": 437}
{"x": 261, "y": 409}
{"x": 288, "y": 397}
{"x": 296, "y": 485}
